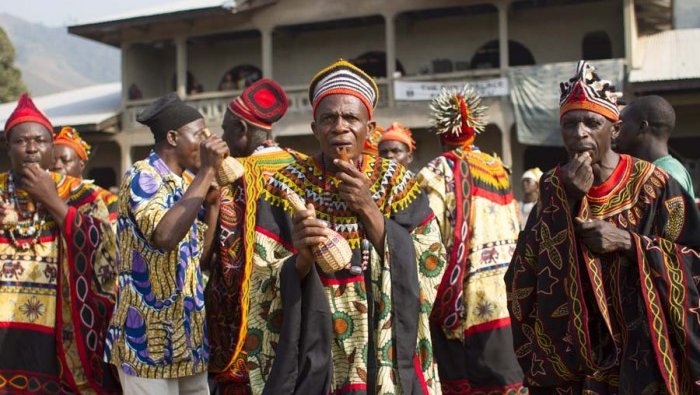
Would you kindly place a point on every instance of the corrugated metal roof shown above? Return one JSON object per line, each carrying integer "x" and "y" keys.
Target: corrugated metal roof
{"x": 667, "y": 56}
{"x": 91, "y": 105}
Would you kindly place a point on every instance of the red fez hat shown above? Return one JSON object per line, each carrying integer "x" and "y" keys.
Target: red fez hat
{"x": 261, "y": 104}
{"x": 26, "y": 111}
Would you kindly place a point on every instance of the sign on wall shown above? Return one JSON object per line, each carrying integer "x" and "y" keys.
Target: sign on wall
{"x": 427, "y": 90}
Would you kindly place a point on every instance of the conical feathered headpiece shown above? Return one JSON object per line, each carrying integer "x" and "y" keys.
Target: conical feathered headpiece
{"x": 458, "y": 116}
{"x": 587, "y": 91}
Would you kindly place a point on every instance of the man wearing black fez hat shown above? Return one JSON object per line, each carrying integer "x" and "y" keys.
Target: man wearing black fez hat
{"x": 158, "y": 336}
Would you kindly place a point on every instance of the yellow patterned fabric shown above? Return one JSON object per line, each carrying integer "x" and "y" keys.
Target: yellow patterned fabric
{"x": 158, "y": 329}
{"x": 111, "y": 202}
{"x": 469, "y": 192}
{"x": 492, "y": 242}
{"x": 56, "y": 296}
{"x": 367, "y": 339}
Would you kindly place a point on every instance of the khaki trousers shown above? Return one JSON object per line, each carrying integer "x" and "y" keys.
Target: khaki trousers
{"x": 189, "y": 385}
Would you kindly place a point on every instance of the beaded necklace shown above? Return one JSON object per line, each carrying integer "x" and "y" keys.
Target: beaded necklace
{"x": 25, "y": 233}
{"x": 355, "y": 269}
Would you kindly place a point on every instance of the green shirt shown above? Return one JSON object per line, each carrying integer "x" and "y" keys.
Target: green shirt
{"x": 676, "y": 170}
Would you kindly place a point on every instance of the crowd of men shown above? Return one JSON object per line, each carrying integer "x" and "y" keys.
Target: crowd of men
{"x": 184, "y": 283}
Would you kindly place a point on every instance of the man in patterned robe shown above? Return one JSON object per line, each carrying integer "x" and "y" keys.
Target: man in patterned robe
{"x": 470, "y": 194}
{"x": 364, "y": 331}
{"x": 70, "y": 156}
{"x": 247, "y": 129}
{"x": 157, "y": 337}
{"x": 58, "y": 270}
{"x": 603, "y": 286}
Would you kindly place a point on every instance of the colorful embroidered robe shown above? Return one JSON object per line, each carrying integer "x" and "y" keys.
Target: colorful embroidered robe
{"x": 609, "y": 324}
{"x": 470, "y": 193}
{"x": 338, "y": 332}
{"x": 56, "y": 298}
{"x": 228, "y": 290}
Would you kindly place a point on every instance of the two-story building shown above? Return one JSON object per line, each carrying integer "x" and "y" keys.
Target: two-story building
{"x": 515, "y": 52}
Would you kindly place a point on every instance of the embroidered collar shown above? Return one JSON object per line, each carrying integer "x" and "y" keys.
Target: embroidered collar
{"x": 616, "y": 180}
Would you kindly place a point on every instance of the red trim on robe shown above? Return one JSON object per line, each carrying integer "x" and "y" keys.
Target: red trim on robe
{"x": 487, "y": 326}
{"x": 29, "y": 327}
{"x": 276, "y": 238}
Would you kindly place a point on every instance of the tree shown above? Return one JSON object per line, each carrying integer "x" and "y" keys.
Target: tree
{"x": 11, "y": 85}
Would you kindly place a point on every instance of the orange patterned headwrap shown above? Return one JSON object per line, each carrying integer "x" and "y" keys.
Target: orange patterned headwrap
{"x": 396, "y": 132}
{"x": 68, "y": 136}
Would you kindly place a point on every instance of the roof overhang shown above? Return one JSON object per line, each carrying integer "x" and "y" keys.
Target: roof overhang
{"x": 107, "y": 30}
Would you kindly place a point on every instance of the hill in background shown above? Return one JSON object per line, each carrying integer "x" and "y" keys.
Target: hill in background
{"x": 51, "y": 60}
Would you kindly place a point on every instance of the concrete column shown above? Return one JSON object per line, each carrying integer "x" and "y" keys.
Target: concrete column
{"x": 507, "y": 154}
{"x": 503, "y": 6}
{"x": 267, "y": 65}
{"x": 126, "y": 158}
{"x": 390, "y": 45}
{"x": 126, "y": 78}
{"x": 181, "y": 65}
{"x": 630, "y": 26}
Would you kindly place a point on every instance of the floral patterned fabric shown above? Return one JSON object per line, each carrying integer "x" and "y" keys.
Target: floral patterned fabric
{"x": 339, "y": 332}
{"x": 158, "y": 329}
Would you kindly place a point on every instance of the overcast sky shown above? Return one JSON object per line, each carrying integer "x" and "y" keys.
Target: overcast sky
{"x": 68, "y": 12}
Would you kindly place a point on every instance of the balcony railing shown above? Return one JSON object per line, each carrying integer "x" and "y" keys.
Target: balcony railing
{"x": 212, "y": 105}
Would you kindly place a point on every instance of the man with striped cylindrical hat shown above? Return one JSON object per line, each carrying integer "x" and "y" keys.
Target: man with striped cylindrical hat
{"x": 363, "y": 328}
